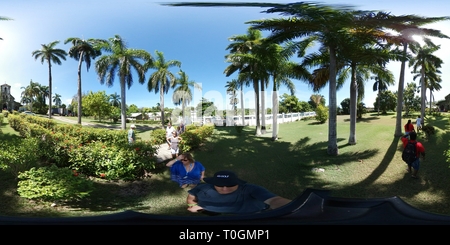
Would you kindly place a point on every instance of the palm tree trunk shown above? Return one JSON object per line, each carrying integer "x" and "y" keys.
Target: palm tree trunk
{"x": 258, "y": 122}
{"x": 80, "y": 62}
{"x": 263, "y": 107}
{"x": 332, "y": 127}
{"x": 123, "y": 106}
{"x": 50, "y": 89}
{"x": 379, "y": 100}
{"x": 274, "y": 112}
{"x": 161, "y": 99}
{"x": 353, "y": 106}
{"x": 242, "y": 106}
{"x": 430, "y": 100}
{"x": 422, "y": 94}
{"x": 401, "y": 82}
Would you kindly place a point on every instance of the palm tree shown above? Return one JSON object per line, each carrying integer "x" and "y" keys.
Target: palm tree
{"x": 424, "y": 60}
{"x": 182, "y": 95}
{"x": 83, "y": 50}
{"x": 30, "y": 93}
{"x": 243, "y": 58}
{"x": 43, "y": 94}
{"x": 114, "y": 100}
{"x": 232, "y": 87}
{"x": 325, "y": 25}
{"x": 120, "y": 62}
{"x": 48, "y": 53}
{"x": 162, "y": 79}
{"x": 282, "y": 70}
{"x": 57, "y": 100}
{"x": 407, "y": 27}
{"x": 380, "y": 85}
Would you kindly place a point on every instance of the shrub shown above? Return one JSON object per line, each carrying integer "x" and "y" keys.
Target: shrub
{"x": 238, "y": 128}
{"x": 5, "y": 113}
{"x": 158, "y": 136}
{"x": 321, "y": 114}
{"x": 53, "y": 184}
{"x": 428, "y": 129}
{"x": 125, "y": 162}
{"x": 19, "y": 155}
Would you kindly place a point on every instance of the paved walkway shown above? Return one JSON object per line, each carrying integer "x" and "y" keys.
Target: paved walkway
{"x": 162, "y": 155}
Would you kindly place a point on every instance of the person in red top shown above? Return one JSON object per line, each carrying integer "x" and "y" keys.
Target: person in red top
{"x": 413, "y": 168}
{"x": 409, "y": 127}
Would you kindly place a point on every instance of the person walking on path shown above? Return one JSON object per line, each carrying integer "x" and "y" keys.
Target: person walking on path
{"x": 409, "y": 127}
{"x": 174, "y": 144}
{"x": 169, "y": 131}
{"x": 413, "y": 167}
{"x": 419, "y": 123}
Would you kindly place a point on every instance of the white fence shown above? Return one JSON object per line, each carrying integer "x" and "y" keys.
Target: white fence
{"x": 250, "y": 120}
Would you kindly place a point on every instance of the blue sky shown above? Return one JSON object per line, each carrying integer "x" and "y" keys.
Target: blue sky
{"x": 197, "y": 37}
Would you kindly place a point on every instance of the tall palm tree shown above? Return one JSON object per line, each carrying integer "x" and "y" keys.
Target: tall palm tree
{"x": 407, "y": 27}
{"x": 83, "y": 50}
{"x": 432, "y": 81}
{"x": 182, "y": 94}
{"x": 30, "y": 93}
{"x": 424, "y": 60}
{"x": 121, "y": 61}
{"x": 57, "y": 100}
{"x": 243, "y": 59}
{"x": 114, "y": 100}
{"x": 276, "y": 58}
{"x": 162, "y": 79}
{"x": 231, "y": 87}
{"x": 43, "y": 94}
{"x": 48, "y": 53}
{"x": 380, "y": 85}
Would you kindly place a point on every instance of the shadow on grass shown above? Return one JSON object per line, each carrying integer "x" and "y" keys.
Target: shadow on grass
{"x": 282, "y": 167}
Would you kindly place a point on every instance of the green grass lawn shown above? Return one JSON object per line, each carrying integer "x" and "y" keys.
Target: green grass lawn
{"x": 370, "y": 169}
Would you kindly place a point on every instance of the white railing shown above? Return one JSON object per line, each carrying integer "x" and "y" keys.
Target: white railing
{"x": 250, "y": 120}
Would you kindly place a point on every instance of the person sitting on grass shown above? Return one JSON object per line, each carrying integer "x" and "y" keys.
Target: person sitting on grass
{"x": 186, "y": 171}
{"x": 225, "y": 193}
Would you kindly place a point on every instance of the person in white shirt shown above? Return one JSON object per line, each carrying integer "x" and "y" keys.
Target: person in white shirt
{"x": 169, "y": 131}
{"x": 419, "y": 123}
{"x": 174, "y": 144}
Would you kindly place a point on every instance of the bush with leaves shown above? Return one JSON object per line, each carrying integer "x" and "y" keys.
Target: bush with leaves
{"x": 53, "y": 184}
{"x": 125, "y": 162}
{"x": 19, "y": 155}
{"x": 158, "y": 136}
{"x": 321, "y": 114}
{"x": 428, "y": 129}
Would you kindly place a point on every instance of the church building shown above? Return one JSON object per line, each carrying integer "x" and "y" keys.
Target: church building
{"x": 7, "y": 100}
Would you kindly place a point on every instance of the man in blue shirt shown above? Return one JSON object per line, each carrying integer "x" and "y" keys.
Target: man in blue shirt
{"x": 226, "y": 193}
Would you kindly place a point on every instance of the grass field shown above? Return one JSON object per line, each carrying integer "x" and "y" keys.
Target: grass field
{"x": 370, "y": 169}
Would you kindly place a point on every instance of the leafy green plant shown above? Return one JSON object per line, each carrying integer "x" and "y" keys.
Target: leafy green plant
{"x": 53, "y": 184}
{"x": 238, "y": 128}
{"x": 428, "y": 129}
{"x": 125, "y": 162}
{"x": 19, "y": 155}
{"x": 321, "y": 114}
{"x": 158, "y": 136}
